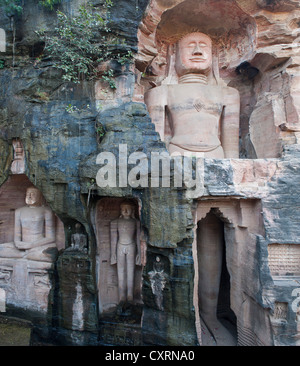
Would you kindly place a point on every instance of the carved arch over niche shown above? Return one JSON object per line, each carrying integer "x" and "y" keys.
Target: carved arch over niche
{"x": 251, "y": 57}
{"x": 242, "y": 226}
{"x": 231, "y": 28}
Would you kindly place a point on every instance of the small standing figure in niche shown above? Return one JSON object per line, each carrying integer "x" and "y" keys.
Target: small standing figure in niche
{"x": 158, "y": 282}
{"x": 125, "y": 250}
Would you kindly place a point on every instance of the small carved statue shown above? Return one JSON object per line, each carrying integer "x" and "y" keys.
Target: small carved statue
{"x": 158, "y": 282}
{"x": 18, "y": 164}
{"x": 125, "y": 249}
{"x": 78, "y": 240}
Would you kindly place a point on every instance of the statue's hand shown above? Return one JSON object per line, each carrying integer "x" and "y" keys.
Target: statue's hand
{"x": 138, "y": 260}
{"x": 113, "y": 259}
{"x": 22, "y": 245}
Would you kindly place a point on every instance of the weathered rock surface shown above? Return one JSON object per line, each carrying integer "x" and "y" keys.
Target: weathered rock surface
{"x": 256, "y": 197}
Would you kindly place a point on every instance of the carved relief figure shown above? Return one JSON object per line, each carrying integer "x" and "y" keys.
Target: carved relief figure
{"x": 158, "y": 282}
{"x": 18, "y": 164}
{"x": 34, "y": 232}
{"x": 203, "y": 114}
{"x": 125, "y": 249}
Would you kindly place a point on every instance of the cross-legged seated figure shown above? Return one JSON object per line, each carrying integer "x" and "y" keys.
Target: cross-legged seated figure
{"x": 203, "y": 117}
{"x": 34, "y": 232}
{"x": 125, "y": 250}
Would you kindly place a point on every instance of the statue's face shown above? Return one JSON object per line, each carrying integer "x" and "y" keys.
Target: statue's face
{"x": 33, "y": 197}
{"x": 193, "y": 54}
{"x": 126, "y": 211}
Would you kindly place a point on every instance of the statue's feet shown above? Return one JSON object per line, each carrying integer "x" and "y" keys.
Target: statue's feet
{"x": 220, "y": 335}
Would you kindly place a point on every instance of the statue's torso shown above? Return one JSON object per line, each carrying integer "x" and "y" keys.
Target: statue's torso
{"x": 194, "y": 112}
{"x": 126, "y": 231}
{"x": 32, "y": 221}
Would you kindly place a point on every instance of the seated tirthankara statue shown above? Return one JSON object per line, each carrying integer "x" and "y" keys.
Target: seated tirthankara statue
{"x": 78, "y": 240}
{"x": 203, "y": 115}
{"x": 126, "y": 250}
{"x": 28, "y": 259}
{"x": 34, "y": 232}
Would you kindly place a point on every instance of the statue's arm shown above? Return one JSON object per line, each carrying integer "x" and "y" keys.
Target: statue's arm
{"x": 17, "y": 229}
{"x": 49, "y": 227}
{"x": 156, "y": 100}
{"x": 49, "y": 230}
{"x": 138, "y": 243}
{"x": 113, "y": 241}
{"x": 19, "y": 243}
{"x": 230, "y": 124}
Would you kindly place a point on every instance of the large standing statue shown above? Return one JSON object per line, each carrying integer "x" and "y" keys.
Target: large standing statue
{"x": 34, "y": 233}
{"x": 203, "y": 115}
{"x": 125, "y": 249}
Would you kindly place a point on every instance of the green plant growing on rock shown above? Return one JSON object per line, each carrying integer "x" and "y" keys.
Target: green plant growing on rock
{"x": 11, "y": 7}
{"x": 49, "y": 3}
{"x": 80, "y": 43}
{"x": 74, "y": 109}
{"x": 100, "y": 132}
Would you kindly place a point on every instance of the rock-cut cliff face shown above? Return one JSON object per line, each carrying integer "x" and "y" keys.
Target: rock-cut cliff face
{"x": 53, "y": 131}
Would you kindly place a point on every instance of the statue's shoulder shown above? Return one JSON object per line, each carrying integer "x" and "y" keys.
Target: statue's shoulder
{"x": 230, "y": 94}
{"x": 158, "y": 89}
{"x": 230, "y": 90}
{"x": 46, "y": 209}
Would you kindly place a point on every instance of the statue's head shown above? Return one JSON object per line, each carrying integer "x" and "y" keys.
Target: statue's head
{"x": 33, "y": 197}
{"x": 193, "y": 54}
{"x": 127, "y": 210}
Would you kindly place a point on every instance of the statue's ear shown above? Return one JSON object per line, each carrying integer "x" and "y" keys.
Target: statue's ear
{"x": 172, "y": 49}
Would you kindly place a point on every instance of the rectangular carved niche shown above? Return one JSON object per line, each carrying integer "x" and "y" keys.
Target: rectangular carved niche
{"x": 284, "y": 259}
{"x": 108, "y": 211}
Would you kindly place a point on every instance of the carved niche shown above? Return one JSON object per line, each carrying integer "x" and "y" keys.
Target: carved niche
{"x": 30, "y": 237}
{"x": 108, "y": 224}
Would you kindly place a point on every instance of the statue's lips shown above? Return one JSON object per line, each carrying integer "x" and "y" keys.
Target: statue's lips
{"x": 197, "y": 59}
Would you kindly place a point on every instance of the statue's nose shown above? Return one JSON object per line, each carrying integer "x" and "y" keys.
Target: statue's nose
{"x": 197, "y": 50}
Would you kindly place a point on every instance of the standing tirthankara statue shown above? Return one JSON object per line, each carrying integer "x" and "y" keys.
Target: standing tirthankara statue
{"x": 125, "y": 250}
{"x": 203, "y": 117}
{"x": 203, "y": 114}
{"x": 34, "y": 231}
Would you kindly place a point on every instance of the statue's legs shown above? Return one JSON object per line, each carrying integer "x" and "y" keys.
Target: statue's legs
{"x": 44, "y": 253}
{"x": 130, "y": 259}
{"x": 126, "y": 265}
{"x": 9, "y": 250}
{"x": 210, "y": 247}
{"x": 121, "y": 260}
